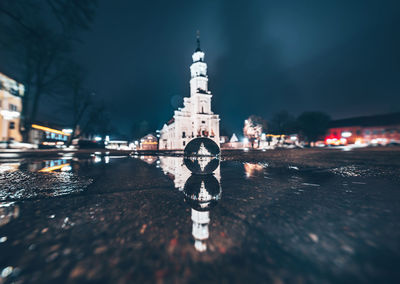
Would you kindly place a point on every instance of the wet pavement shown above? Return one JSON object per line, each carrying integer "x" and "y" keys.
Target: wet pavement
{"x": 295, "y": 216}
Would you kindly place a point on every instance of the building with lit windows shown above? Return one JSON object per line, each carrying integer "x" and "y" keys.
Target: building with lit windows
{"x": 149, "y": 142}
{"x": 11, "y": 93}
{"x": 366, "y": 130}
{"x": 48, "y": 137}
{"x": 195, "y": 118}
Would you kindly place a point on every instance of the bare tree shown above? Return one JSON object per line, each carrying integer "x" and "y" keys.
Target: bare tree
{"x": 39, "y": 35}
{"x": 81, "y": 98}
{"x": 313, "y": 125}
{"x": 98, "y": 122}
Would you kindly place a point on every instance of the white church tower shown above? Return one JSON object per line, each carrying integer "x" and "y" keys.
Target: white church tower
{"x": 195, "y": 118}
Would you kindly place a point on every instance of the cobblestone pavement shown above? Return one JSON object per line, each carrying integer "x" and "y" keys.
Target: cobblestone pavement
{"x": 284, "y": 216}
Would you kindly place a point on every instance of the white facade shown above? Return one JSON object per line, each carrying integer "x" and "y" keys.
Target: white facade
{"x": 11, "y": 93}
{"x": 195, "y": 118}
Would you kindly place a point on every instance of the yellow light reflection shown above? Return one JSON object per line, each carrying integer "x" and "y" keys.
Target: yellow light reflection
{"x": 44, "y": 128}
{"x": 54, "y": 168}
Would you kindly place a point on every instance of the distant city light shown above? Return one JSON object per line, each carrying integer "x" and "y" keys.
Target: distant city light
{"x": 66, "y": 168}
{"x": 335, "y": 141}
{"x": 346, "y": 134}
{"x": 67, "y": 130}
{"x": 97, "y": 138}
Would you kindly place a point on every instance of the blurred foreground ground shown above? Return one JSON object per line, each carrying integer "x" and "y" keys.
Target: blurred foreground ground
{"x": 283, "y": 216}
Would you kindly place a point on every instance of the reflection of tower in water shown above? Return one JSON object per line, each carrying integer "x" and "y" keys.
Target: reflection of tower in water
{"x": 200, "y": 232}
{"x": 201, "y": 192}
{"x": 197, "y": 175}
{"x": 174, "y": 168}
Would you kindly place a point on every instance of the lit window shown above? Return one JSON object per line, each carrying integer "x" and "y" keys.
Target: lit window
{"x": 12, "y": 107}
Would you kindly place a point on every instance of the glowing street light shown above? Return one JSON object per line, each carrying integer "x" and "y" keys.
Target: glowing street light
{"x": 346, "y": 134}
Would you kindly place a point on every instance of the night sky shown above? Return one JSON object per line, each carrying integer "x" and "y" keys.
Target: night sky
{"x": 341, "y": 57}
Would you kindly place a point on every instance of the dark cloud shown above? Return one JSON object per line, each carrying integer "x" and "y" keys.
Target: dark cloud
{"x": 263, "y": 56}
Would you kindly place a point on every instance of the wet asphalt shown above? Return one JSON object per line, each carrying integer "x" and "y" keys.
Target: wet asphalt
{"x": 285, "y": 216}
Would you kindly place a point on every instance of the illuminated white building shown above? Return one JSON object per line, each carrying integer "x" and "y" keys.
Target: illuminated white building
{"x": 195, "y": 118}
{"x": 11, "y": 93}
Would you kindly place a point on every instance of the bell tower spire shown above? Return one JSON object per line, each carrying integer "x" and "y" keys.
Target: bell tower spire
{"x": 196, "y": 118}
{"x": 198, "y": 40}
{"x": 198, "y": 70}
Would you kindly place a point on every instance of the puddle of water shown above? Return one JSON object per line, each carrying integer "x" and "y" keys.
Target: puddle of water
{"x": 123, "y": 209}
{"x": 23, "y": 179}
